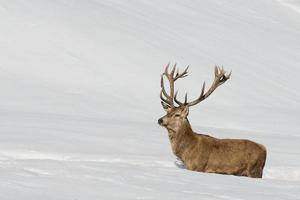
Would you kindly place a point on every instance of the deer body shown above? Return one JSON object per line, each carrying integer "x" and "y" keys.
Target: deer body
{"x": 204, "y": 153}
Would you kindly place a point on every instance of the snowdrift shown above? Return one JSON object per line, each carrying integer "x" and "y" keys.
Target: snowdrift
{"x": 79, "y": 102}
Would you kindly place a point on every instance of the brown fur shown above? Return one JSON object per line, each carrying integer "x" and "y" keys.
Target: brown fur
{"x": 204, "y": 153}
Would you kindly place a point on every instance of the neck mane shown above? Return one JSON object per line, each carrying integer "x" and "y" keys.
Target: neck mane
{"x": 181, "y": 138}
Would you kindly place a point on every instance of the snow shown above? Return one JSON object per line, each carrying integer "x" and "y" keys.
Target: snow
{"x": 79, "y": 102}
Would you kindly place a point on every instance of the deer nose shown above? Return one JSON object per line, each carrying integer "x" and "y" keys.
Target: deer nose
{"x": 160, "y": 121}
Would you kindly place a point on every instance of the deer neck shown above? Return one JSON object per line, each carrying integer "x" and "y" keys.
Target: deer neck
{"x": 181, "y": 138}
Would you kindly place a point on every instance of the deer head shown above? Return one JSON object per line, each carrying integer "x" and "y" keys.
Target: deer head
{"x": 176, "y": 115}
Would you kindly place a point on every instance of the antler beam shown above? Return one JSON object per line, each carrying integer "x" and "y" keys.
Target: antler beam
{"x": 220, "y": 78}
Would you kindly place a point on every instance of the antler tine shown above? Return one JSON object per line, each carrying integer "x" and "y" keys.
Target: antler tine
{"x": 216, "y": 70}
{"x": 223, "y": 77}
{"x": 177, "y": 73}
{"x": 163, "y": 87}
{"x": 179, "y": 102}
{"x": 220, "y": 78}
{"x": 162, "y": 97}
{"x": 176, "y": 100}
{"x": 228, "y": 76}
{"x": 199, "y": 99}
{"x": 186, "y": 69}
{"x": 203, "y": 89}
{"x": 164, "y": 105}
{"x": 167, "y": 68}
{"x": 173, "y": 70}
{"x": 183, "y": 74}
{"x": 168, "y": 99}
{"x": 185, "y": 99}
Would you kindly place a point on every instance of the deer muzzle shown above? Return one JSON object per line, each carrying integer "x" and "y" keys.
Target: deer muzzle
{"x": 160, "y": 121}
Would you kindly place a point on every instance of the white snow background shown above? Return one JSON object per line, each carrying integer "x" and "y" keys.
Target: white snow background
{"x": 79, "y": 104}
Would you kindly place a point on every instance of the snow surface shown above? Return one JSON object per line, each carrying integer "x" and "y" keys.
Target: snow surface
{"x": 79, "y": 102}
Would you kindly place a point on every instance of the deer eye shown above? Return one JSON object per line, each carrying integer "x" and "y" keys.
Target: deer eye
{"x": 177, "y": 115}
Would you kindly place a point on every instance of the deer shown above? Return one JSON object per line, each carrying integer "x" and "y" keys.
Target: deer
{"x": 201, "y": 152}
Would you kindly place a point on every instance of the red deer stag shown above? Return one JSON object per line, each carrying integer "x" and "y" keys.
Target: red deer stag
{"x": 200, "y": 152}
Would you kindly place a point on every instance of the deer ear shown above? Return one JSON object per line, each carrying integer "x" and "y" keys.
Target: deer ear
{"x": 167, "y": 109}
{"x": 185, "y": 111}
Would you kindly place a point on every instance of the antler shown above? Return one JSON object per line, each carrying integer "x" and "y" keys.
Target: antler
{"x": 220, "y": 78}
{"x": 167, "y": 100}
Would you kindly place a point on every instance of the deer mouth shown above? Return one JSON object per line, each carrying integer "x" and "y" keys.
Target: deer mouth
{"x": 164, "y": 125}
{"x": 161, "y": 123}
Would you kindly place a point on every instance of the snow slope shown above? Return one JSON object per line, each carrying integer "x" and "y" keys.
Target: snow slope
{"x": 79, "y": 102}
